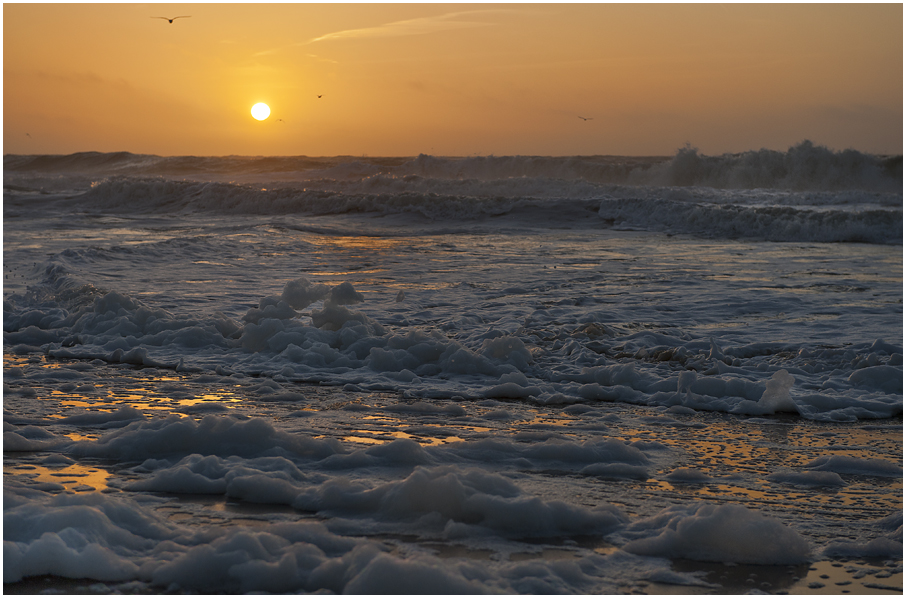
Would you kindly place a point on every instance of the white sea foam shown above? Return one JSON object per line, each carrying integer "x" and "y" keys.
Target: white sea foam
{"x": 727, "y": 533}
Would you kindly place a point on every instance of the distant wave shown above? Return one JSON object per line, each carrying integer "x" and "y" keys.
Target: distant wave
{"x": 768, "y": 223}
{"x": 80, "y": 162}
{"x": 780, "y": 216}
{"x": 168, "y": 196}
{"x": 802, "y": 167}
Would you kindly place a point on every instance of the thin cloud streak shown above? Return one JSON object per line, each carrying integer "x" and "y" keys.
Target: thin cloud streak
{"x": 418, "y": 26}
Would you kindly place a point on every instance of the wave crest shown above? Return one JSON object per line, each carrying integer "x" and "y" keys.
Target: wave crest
{"x": 803, "y": 167}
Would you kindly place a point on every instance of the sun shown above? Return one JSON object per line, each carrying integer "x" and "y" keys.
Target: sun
{"x": 261, "y": 111}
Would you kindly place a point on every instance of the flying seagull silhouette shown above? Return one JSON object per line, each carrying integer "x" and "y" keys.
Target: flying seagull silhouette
{"x": 319, "y": 95}
{"x": 170, "y": 20}
{"x": 586, "y": 119}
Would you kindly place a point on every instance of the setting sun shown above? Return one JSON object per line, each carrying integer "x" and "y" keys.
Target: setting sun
{"x": 261, "y": 111}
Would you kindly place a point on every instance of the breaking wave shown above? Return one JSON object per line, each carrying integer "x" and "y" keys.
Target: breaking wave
{"x": 802, "y": 167}
{"x": 788, "y": 216}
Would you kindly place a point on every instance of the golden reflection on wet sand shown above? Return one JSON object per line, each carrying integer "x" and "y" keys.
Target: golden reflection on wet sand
{"x": 73, "y": 477}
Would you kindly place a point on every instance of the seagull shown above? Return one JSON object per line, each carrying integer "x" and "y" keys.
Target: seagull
{"x": 319, "y": 95}
{"x": 170, "y": 20}
{"x": 28, "y": 136}
{"x": 585, "y": 119}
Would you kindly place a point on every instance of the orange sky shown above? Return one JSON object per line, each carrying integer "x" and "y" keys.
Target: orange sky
{"x": 451, "y": 79}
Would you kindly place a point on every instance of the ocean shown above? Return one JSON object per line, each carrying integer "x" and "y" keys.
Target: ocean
{"x": 452, "y": 375}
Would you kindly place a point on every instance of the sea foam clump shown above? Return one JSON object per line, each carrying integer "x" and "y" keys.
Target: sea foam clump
{"x": 212, "y": 435}
{"x": 844, "y": 464}
{"x": 460, "y": 501}
{"x": 776, "y": 397}
{"x": 725, "y": 533}
{"x": 466, "y": 502}
{"x": 113, "y": 538}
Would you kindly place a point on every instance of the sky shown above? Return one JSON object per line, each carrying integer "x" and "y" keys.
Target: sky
{"x": 451, "y": 79}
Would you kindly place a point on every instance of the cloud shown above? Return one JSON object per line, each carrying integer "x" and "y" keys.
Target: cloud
{"x": 419, "y": 26}
{"x": 321, "y": 58}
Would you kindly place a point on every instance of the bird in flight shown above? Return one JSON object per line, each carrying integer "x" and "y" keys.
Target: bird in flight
{"x": 319, "y": 95}
{"x": 171, "y": 19}
{"x": 585, "y": 118}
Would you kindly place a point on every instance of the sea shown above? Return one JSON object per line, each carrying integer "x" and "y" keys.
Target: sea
{"x": 453, "y": 375}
